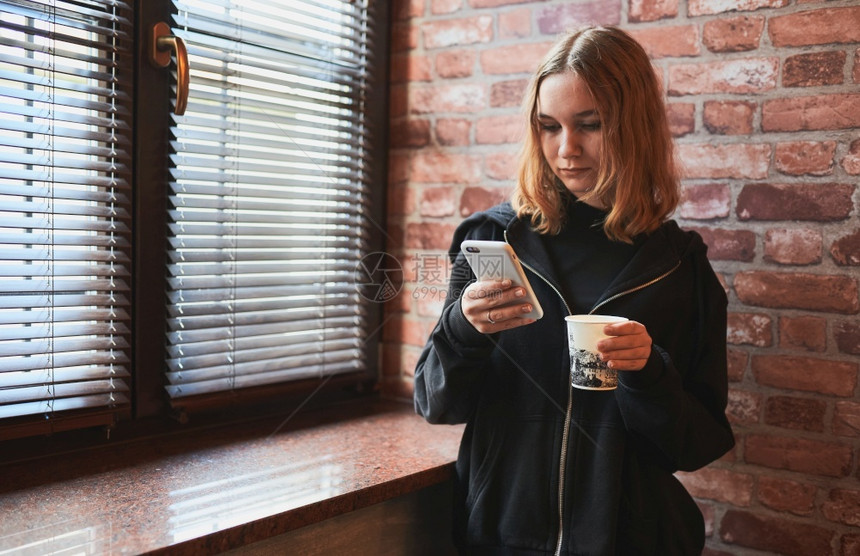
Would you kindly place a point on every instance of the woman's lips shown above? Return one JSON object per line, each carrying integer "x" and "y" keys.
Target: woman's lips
{"x": 574, "y": 172}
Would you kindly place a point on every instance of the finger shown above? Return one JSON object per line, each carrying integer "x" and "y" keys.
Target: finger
{"x": 624, "y": 328}
{"x": 508, "y": 312}
{"x": 615, "y": 343}
{"x": 627, "y": 364}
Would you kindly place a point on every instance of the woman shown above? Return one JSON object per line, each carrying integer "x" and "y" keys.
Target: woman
{"x": 545, "y": 468}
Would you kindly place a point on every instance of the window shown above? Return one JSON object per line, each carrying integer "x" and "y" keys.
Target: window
{"x": 245, "y": 249}
{"x": 65, "y": 190}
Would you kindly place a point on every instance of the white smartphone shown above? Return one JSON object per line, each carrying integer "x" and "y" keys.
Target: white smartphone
{"x": 496, "y": 260}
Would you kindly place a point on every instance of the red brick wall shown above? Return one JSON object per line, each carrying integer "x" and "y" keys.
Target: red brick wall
{"x": 764, "y": 103}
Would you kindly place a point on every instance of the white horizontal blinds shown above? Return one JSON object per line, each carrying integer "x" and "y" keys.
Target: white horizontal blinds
{"x": 268, "y": 196}
{"x": 64, "y": 207}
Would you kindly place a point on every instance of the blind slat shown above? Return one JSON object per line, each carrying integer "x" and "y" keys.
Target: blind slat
{"x": 65, "y": 174}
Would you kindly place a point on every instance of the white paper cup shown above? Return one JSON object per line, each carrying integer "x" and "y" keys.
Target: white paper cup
{"x": 587, "y": 371}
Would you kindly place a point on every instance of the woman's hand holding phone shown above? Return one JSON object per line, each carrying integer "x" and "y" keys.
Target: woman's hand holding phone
{"x": 494, "y": 305}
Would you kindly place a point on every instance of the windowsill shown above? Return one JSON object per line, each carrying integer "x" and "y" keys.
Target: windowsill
{"x": 202, "y": 492}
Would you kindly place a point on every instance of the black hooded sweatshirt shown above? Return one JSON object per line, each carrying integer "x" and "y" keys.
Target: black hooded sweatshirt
{"x": 544, "y": 468}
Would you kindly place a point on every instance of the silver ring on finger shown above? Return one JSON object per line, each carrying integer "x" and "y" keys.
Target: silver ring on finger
{"x": 490, "y": 319}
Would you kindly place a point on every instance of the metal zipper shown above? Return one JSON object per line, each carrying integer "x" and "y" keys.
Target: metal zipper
{"x": 566, "y": 430}
{"x": 637, "y": 288}
{"x": 562, "y": 464}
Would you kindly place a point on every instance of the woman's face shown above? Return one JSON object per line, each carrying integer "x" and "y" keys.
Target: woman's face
{"x": 570, "y": 133}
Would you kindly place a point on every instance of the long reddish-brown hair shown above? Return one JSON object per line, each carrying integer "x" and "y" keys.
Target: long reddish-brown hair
{"x": 637, "y": 180}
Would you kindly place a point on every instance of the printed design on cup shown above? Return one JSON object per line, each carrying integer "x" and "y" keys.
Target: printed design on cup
{"x": 589, "y": 372}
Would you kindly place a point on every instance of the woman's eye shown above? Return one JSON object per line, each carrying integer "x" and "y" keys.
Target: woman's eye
{"x": 549, "y": 127}
{"x": 590, "y": 126}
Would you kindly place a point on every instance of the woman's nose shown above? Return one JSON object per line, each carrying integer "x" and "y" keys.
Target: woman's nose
{"x": 570, "y": 145}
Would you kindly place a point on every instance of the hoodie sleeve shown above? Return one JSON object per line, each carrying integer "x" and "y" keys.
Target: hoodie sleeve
{"x": 681, "y": 418}
{"x": 453, "y": 364}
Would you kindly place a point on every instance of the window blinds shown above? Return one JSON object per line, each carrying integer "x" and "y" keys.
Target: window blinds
{"x": 268, "y": 195}
{"x": 64, "y": 207}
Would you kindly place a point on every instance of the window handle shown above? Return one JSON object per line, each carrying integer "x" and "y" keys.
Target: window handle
{"x": 161, "y": 43}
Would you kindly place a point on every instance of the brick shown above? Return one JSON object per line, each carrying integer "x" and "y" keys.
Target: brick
{"x": 466, "y": 97}
{"x": 453, "y": 131}
{"x": 720, "y": 485}
{"x": 396, "y": 388}
{"x": 811, "y": 113}
{"x": 398, "y": 168}
{"x": 737, "y": 364}
{"x": 808, "y": 374}
{"x": 815, "y": 292}
{"x": 398, "y": 360}
{"x": 798, "y": 158}
{"x": 705, "y": 202}
{"x": 728, "y": 117}
{"x": 820, "y": 26}
{"x": 430, "y": 268}
{"x": 710, "y": 7}
{"x": 410, "y": 133}
{"x": 401, "y": 200}
{"x": 846, "y": 420}
{"x": 404, "y": 37}
{"x": 406, "y": 330}
{"x": 795, "y": 413}
{"x": 410, "y": 67}
{"x": 795, "y": 246}
{"x": 431, "y": 301}
{"x": 438, "y": 202}
{"x": 515, "y": 24}
{"x": 497, "y": 3}
{"x": 752, "y": 329}
{"x": 498, "y": 130}
{"x": 682, "y": 118}
{"x": 784, "y": 495}
{"x": 475, "y": 199}
{"x": 774, "y": 534}
{"x": 398, "y": 104}
{"x": 846, "y": 249}
{"x": 501, "y": 166}
{"x": 651, "y": 10}
{"x": 851, "y": 161}
{"x": 857, "y": 66}
{"x": 441, "y": 7}
{"x": 841, "y": 506}
{"x": 557, "y": 19}
{"x": 809, "y": 333}
{"x": 506, "y": 94}
{"x": 750, "y": 161}
{"x": 750, "y": 75}
{"x": 662, "y": 42}
{"x": 515, "y": 58}
{"x": 729, "y": 245}
{"x": 437, "y": 167}
{"x": 814, "y": 457}
{"x": 429, "y": 235}
{"x": 744, "y": 407}
{"x": 850, "y": 545}
{"x": 813, "y": 69}
{"x": 457, "y": 63}
{"x": 458, "y": 32}
{"x": 847, "y": 335}
{"x": 820, "y": 202}
{"x": 733, "y": 34}
{"x": 407, "y": 9}
{"x": 395, "y": 236}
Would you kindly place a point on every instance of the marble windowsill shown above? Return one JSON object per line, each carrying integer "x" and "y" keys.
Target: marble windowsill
{"x": 208, "y": 491}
